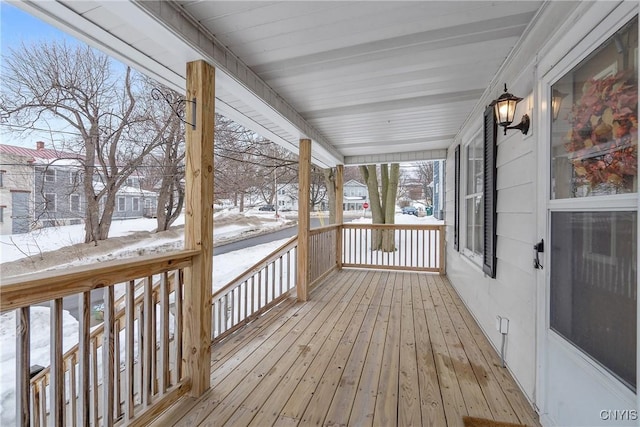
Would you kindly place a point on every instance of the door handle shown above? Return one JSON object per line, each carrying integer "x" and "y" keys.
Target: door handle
{"x": 538, "y": 248}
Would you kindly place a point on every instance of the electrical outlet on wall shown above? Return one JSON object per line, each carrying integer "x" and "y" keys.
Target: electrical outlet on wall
{"x": 504, "y": 325}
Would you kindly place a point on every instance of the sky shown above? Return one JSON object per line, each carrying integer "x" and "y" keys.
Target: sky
{"x": 17, "y": 27}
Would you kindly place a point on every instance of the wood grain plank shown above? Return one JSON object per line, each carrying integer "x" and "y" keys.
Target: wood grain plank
{"x": 519, "y": 403}
{"x": 409, "y": 411}
{"x": 454, "y": 405}
{"x": 240, "y": 365}
{"x": 306, "y": 388}
{"x": 334, "y": 374}
{"x": 430, "y": 399}
{"x": 57, "y": 368}
{"x": 498, "y": 404}
{"x": 23, "y": 358}
{"x": 304, "y": 182}
{"x": 198, "y": 231}
{"x": 343, "y": 399}
{"x": 295, "y": 360}
{"x": 386, "y": 410}
{"x": 270, "y": 408}
{"x": 364, "y": 400}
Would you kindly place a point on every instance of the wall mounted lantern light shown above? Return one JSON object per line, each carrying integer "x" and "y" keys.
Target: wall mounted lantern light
{"x": 556, "y": 101}
{"x": 505, "y": 109}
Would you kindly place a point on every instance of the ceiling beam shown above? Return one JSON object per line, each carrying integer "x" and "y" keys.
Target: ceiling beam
{"x": 410, "y": 156}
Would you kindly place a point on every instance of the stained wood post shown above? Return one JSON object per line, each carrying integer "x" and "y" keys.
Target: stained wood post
{"x": 199, "y": 225}
{"x": 304, "y": 180}
{"x": 339, "y": 212}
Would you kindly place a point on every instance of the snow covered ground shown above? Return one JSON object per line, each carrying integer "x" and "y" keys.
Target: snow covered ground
{"x": 226, "y": 268}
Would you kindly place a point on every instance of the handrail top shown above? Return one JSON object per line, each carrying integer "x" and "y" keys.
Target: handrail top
{"x": 396, "y": 226}
{"x": 329, "y": 227}
{"x": 23, "y": 291}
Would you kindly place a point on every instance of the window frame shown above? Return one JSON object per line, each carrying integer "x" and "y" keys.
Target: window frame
{"x": 124, "y": 203}
{"x": 49, "y": 172}
{"x": 466, "y": 197}
{"x": 134, "y": 201}
{"x": 46, "y": 202}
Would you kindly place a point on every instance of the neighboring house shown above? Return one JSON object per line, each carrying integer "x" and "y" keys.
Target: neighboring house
{"x": 39, "y": 188}
{"x": 133, "y": 202}
{"x": 438, "y": 189}
{"x": 42, "y": 187}
{"x": 355, "y": 194}
{"x": 287, "y": 199}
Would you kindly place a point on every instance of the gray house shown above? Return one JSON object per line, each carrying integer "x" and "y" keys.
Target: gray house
{"x": 43, "y": 188}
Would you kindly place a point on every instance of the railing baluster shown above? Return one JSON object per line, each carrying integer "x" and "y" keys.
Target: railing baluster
{"x": 164, "y": 331}
{"x": 37, "y": 410}
{"x": 116, "y": 369}
{"x": 260, "y": 289}
{"x": 94, "y": 379}
{"x": 23, "y": 363}
{"x": 129, "y": 348}
{"x": 57, "y": 368}
{"x": 148, "y": 342}
{"x": 178, "y": 331}
{"x": 43, "y": 402}
{"x": 107, "y": 358}
{"x": 73, "y": 391}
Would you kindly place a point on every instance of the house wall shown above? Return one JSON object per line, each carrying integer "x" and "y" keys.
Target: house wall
{"x": 67, "y": 185}
{"x": 17, "y": 176}
{"x": 513, "y": 293}
{"x": 129, "y": 212}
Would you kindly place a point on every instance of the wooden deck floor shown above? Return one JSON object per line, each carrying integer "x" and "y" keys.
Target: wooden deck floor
{"x": 369, "y": 348}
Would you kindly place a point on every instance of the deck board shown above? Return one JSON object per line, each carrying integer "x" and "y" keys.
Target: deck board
{"x": 369, "y": 348}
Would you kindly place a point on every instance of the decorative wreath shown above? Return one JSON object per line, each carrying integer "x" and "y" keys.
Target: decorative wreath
{"x": 603, "y": 140}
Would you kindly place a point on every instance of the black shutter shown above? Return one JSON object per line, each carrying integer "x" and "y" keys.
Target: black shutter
{"x": 490, "y": 193}
{"x": 456, "y": 202}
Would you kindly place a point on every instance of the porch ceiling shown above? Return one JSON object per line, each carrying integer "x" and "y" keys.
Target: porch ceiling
{"x": 367, "y": 81}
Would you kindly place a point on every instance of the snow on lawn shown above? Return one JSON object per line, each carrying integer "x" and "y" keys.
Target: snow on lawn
{"x": 228, "y": 225}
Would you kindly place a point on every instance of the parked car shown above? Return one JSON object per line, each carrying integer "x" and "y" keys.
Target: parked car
{"x": 267, "y": 208}
{"x": 409, "y": 210}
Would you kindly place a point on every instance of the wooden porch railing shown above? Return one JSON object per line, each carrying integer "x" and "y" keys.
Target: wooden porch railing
{"x": 125, "y": 371}
{"x": 128, "y": 369}
{"x": 415, "y": 247}
{"x": 255, "y": 291}
{"x": 323, "y": 252}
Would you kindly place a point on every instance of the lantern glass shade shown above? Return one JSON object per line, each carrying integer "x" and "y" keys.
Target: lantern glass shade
{"x": 505, "y": 109}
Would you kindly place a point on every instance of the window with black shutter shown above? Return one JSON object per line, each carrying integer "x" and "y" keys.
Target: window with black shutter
{"x": 490, "y": 193}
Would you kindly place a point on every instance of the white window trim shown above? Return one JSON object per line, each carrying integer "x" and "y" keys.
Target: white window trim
{"x": 474, "y": 257}
{"x": 47, "y": 172}
{"x": 124, "y": 204}
{"x": 133, "y": 204}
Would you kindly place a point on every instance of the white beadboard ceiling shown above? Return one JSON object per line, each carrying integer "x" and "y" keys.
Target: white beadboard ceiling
{"x": 368, "y": 81}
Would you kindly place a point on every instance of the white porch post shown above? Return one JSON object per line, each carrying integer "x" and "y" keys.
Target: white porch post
{"x": 199, "y": 225}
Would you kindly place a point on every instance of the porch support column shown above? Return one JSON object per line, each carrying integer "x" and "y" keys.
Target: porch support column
{"x": 199, "y": 224}
{"x": 304, "y": 180}
{"x": 339, "y": 182}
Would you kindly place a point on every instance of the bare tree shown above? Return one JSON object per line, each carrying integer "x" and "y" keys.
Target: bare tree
{"x": 383, "y": 202}
{"x": 330, "y": 184}
{"x": 78, "y": 86}
{"x": 425, "y": 174}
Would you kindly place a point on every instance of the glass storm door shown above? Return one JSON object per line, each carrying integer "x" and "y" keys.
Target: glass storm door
{"x": 592, "y": 221}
